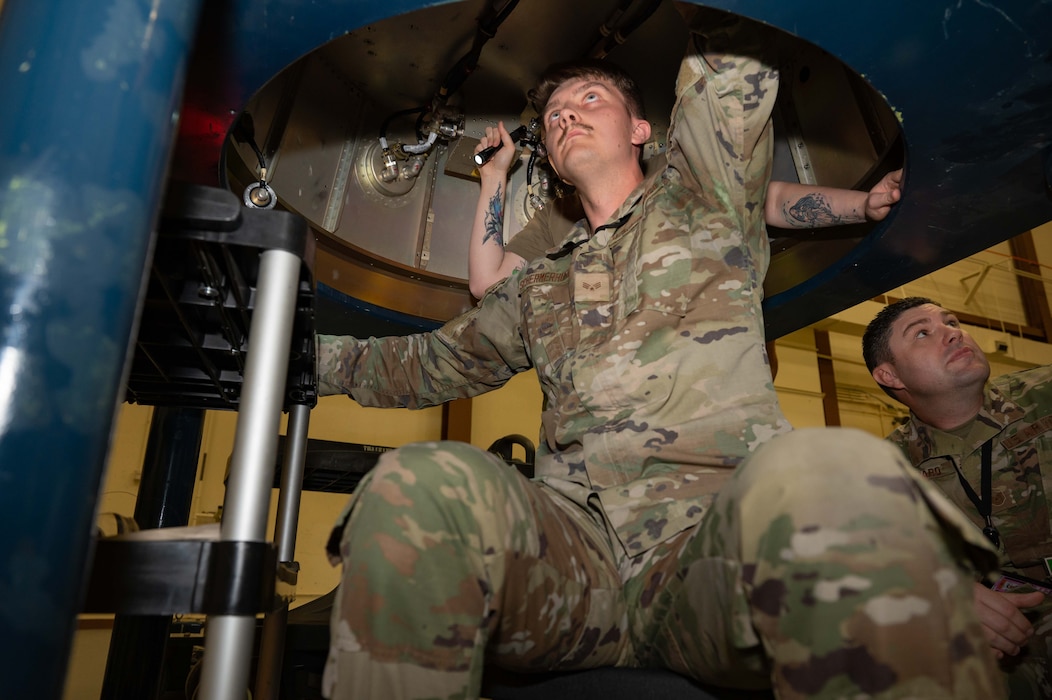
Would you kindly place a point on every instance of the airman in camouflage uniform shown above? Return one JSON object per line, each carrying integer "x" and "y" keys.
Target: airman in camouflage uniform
{"x": 675, "y": 521}
{"x": 1013, "y": 415}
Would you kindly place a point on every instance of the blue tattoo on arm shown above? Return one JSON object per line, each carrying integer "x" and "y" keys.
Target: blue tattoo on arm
{"x": 495, "y": 219}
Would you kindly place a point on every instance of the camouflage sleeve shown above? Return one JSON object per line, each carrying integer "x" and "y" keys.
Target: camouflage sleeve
{"x": 470, "y": 355}
{"x": 720, "y": 135}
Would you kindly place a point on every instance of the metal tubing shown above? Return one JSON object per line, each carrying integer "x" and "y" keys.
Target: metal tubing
{"x": 229, "y": 638}
{"x": 272, "y": 642}
{"x": 90, "y": 102}
{"x": 271, "y": 654}
{"x": 291, "y": 482}
{"x": 227, "y": 658}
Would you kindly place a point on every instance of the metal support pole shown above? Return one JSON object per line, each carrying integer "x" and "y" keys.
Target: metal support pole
{"x": 272, "y": 643}
{"x": 229, "y": 638}
{"x": 87, "y": 119}
{"x": 135, "y": 663}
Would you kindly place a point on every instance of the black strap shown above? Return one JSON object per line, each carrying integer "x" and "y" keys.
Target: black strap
{"x": 569, "y": 246}
{"x": 985, "y": 504}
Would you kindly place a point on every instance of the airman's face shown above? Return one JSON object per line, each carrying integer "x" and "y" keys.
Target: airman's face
{"x": 931, "y": 354}
{"x": 587, "y": 122}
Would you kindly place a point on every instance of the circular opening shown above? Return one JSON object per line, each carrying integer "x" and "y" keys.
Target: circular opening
{"x": 370, "y": 137}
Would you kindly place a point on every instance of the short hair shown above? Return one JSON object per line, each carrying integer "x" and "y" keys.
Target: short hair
{"x": 876, "y": 341}
{"x": 587, "y": 69}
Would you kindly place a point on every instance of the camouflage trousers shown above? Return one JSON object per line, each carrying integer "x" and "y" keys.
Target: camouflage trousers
{"x": 823, "y": 569}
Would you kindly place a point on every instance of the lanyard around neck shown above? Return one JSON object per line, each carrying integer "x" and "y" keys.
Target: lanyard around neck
{"x": 985, "y": 504}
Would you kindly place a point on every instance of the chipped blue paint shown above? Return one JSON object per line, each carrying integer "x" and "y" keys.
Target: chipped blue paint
{"x": 91, "y": 92}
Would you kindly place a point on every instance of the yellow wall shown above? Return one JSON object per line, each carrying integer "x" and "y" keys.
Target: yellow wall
{"x": 513, "y": 409}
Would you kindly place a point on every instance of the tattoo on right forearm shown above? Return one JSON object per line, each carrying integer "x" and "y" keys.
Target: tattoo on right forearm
{"x": 495, "y": 219}
{"x": 812, "y": 210}
{"x": 816, "y": 210}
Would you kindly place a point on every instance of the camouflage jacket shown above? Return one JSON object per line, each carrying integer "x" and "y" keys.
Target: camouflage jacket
{"x": 647, "y": 336}
{"x": 1017, "y": 416}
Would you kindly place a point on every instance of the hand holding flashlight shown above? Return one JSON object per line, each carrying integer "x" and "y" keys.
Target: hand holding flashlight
{"x": 483, "y": 156}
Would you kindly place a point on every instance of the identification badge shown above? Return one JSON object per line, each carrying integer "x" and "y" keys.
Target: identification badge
{"x": 1010, "y": 582}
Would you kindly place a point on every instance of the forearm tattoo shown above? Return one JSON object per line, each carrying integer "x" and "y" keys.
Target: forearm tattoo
{"x": 815, "y": 210}
{"x": 495, "y": 219}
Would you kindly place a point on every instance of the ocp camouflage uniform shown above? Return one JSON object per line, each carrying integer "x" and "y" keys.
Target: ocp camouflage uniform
{"x": 818, "y": 564}
{"x": 1017, "y": 417}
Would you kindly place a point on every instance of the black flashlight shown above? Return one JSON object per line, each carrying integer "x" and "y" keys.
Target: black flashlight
{"x": 483, "y": 156}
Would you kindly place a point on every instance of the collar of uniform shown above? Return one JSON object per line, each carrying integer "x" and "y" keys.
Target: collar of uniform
{"x": 607, "y": 231}
{"x": 999, "y": 410}
{"x": 926, "y": 441}
{"x": 630, "y": 203}
{"x": 580, "y": 235}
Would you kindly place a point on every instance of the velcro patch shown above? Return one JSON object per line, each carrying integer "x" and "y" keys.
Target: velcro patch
{"x": 1041, "y": 425}
{"x": 592, "y": 286}
{"x": 539, "y": 278}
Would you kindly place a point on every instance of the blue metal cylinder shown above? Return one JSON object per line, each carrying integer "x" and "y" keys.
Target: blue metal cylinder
{"x": 91, "y": 92}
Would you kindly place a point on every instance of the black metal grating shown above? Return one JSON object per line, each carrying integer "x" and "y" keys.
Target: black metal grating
{"x": 330, "y": 466}
{"x": 196, "y": 315}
